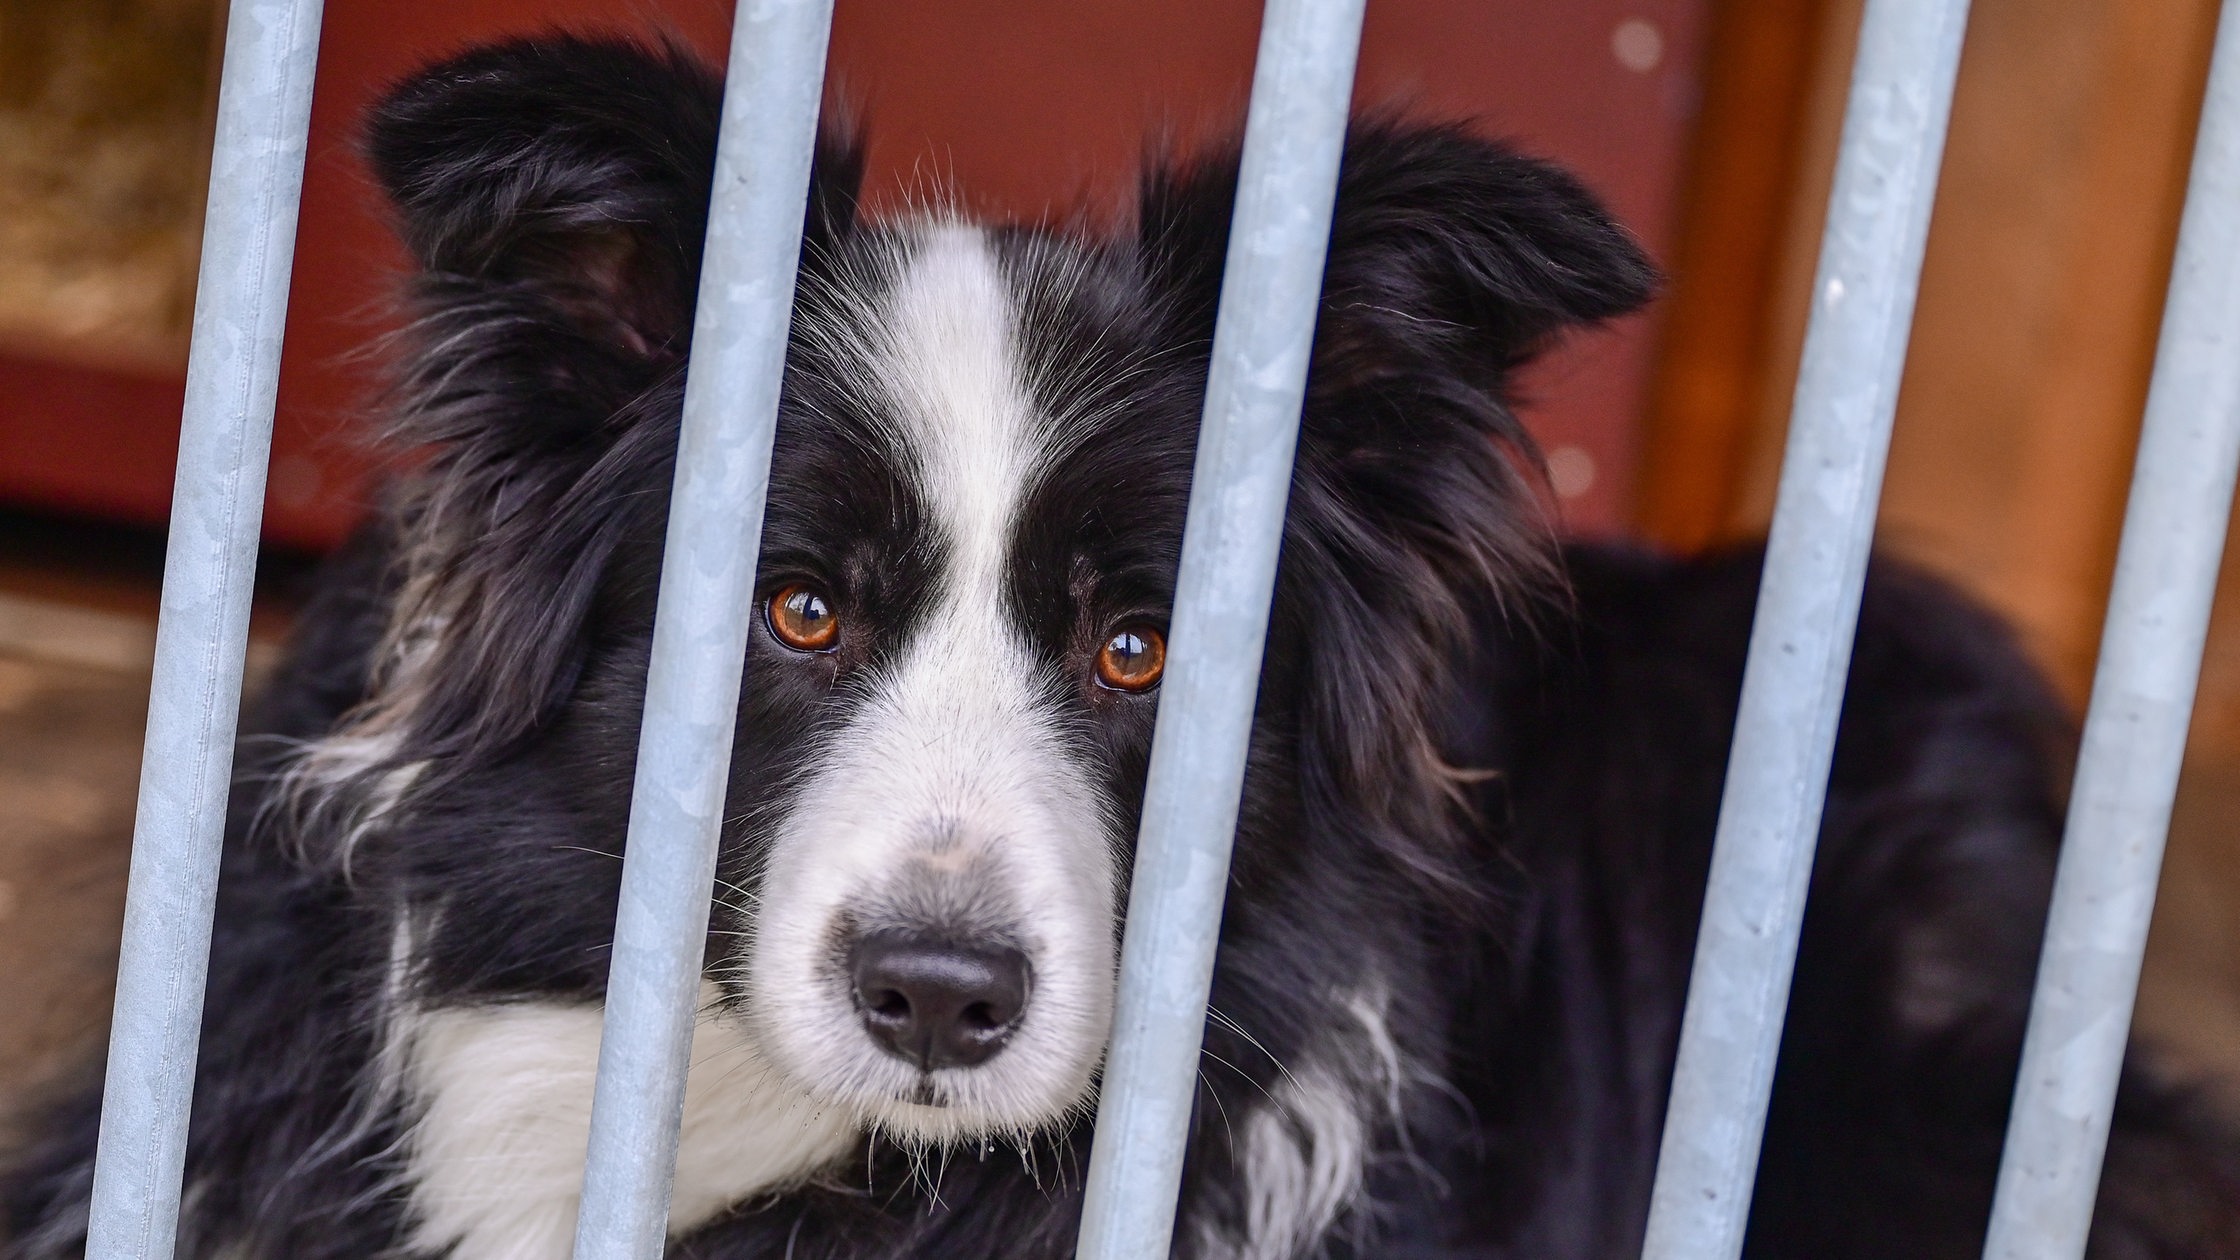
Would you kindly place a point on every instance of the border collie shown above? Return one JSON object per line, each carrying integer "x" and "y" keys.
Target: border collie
{"x": 1478, "y": 816}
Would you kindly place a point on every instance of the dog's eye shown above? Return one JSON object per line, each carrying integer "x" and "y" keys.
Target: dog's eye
{"x": 803, "y": 619}
{"x": 1132, "y": 659}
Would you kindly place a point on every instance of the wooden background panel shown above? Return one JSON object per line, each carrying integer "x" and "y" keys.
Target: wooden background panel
{"x": 104, "y": 135}
{"x": 1028, "y": 109}
{"x": 2041, "y": 295}
{"x": 1764, "y": 85}
{"x": 2040, "y": 303}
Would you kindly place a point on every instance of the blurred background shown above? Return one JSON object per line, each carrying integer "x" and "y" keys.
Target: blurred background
{"x": 1709, "y": 125}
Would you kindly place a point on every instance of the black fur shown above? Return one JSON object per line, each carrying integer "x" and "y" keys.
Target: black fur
{"x": 1485, "y": 770}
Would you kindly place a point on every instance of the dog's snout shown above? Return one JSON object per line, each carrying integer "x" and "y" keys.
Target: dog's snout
{"x": 939, "y": 1003}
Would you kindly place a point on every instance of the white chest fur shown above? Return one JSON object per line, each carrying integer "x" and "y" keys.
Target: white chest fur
{"x": 503, "y": 1099}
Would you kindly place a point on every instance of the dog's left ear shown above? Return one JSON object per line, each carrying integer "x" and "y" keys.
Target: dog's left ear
{"x": 1453, "y": 261}
{"x": 1447, "y": 252}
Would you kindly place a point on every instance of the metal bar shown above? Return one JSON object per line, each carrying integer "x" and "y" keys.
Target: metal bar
{"x": 755, "y": 221}
{"x": 2142, "y": 701}
{"x": 1302, "y": 90}
{"x": 1808, "y": 608}
{"x": 194, "y": 701}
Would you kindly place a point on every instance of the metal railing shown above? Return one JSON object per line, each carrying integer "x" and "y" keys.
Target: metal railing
{"x": 755, "y": 219}
{"x": 2142, "y": 700}
{"x": 1808, "y": 606}
{"x": 202, "y": 638}
{"x": 1271, "y": 288}
{"x": 1792, "y": 692}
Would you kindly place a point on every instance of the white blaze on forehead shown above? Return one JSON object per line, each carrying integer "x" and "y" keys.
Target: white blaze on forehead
{"x": 948, "y": 364}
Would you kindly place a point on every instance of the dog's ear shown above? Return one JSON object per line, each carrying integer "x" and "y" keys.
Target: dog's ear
{"x": 1447, "y": 252}
{"x": 554, "y": 192}
{"x": 1453, "y": 260}
{"x": 577, "y": 170}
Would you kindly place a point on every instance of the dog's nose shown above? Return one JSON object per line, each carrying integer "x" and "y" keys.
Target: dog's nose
{"x": 939, "y": 1003}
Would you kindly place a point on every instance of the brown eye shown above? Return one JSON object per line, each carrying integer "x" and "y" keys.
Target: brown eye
{"x": 1132, "y": 659}
{"x": 803, "y": 619}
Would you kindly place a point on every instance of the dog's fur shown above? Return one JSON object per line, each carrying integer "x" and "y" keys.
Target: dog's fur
{"x": 1476, "y": 824}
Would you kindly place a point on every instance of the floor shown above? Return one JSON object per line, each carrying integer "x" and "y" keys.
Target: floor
{"x": 76, "y": 635}
{"x": 2189, "y": 997}
{"x": 68, "y": 762}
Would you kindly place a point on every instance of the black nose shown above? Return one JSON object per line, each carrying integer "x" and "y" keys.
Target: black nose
{"x": 938, "y": 1003}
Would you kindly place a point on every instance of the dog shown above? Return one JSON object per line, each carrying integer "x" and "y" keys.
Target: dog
{"x": 1485, "y": 765}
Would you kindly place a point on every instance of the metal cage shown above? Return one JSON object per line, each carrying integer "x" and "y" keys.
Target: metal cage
{"x": 1893, "y": 137}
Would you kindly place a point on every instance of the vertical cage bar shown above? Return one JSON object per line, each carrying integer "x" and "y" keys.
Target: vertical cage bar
{"x": 1808, "y": 608}
{"x": 1302, "y": 90}
{"x": 745, "y": 307}
{"x": 2142, "y": 702}
{"x": 194, "y": 701}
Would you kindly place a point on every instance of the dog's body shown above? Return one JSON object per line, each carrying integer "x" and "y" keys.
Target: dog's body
{"x": 1475, "y": 832}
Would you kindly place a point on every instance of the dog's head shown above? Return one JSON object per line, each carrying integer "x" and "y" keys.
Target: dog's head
{"x": 976, "y": 505}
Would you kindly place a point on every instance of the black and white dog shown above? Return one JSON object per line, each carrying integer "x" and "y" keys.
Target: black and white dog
{"x": 1478, "y": 816}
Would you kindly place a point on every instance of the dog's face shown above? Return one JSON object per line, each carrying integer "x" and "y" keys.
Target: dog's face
{"x": 954, "y": 672}
{"x": 975, "y": 511}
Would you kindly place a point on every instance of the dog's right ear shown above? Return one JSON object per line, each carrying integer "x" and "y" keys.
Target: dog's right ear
{"x": 555, "y": 194}
{"x": 576, "y": 171}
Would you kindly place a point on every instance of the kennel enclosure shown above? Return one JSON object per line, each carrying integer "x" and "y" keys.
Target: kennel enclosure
{"x": 1800, "y": 646}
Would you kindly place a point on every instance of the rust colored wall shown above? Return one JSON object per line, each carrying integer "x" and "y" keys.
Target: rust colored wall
{"x": 1023, "y": 108}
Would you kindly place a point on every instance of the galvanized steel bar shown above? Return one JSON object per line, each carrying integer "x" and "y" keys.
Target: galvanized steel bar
{"x": 755, "y": 220}
{"x": 1294, "y": 133}
{"x": 2142, "y": 701}
{"x": 1808, "y": 608}
{"x": 217, "y": 507}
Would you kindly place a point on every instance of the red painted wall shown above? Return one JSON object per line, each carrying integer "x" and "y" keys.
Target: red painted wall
{"x": 1022, "y": 107}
